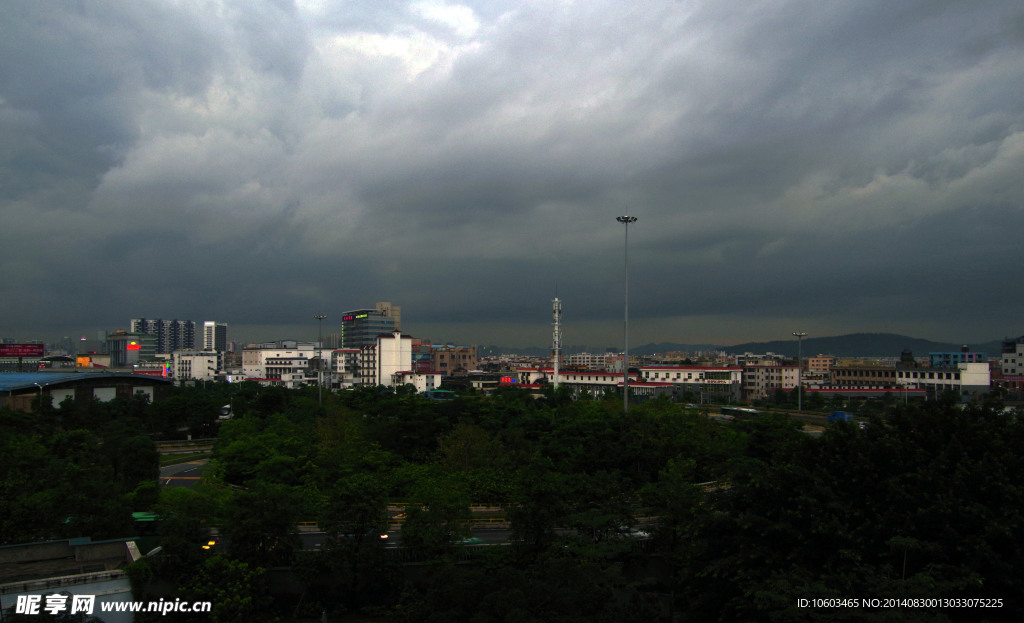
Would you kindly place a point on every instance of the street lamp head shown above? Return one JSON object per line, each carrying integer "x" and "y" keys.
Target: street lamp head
{"x": 319, "y": 316}
{"x": 798, "y": 334}
{"x": 626, "y": 219}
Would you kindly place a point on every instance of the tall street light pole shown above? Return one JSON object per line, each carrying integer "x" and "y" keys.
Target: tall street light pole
{"x": 799, "y": 369}
{"x": 320, "y": 360}
{"x": 626, "y": 220}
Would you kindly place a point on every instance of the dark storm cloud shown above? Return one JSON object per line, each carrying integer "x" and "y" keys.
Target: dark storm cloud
{"x": 850, "y": 166}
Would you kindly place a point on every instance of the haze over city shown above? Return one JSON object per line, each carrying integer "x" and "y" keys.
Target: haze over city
{"x": 794, "y": 165}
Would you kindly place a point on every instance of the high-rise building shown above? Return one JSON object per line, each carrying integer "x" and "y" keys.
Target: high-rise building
{"x": 215, "y": 336}
{"x": 391, "y": 311}
{"x": 360, "y": 327}
{"x": 170, "y": 335}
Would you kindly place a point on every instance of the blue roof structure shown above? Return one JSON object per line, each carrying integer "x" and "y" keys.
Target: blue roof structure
{"x": 28, "y": 380}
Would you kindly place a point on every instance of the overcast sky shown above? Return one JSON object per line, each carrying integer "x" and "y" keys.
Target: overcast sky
{"x": 828, "y": 167}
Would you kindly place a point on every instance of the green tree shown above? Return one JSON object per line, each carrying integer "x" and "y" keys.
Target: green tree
{"x": 259, "y": 523}
{"x": 237, "y": 591}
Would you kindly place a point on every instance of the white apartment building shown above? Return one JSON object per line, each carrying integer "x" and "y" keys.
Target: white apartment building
{"x": 199, "y": 365}
{"x": 380, "y": 362}
{"x": 394, "y": 355}
{"x": 345, "y": 367}
{"x": 422, "y": 381}
{"x": 286, "y": 363}
{"x": 594, "y": 382}
{"x": 708, "y": 383}
{"x": 965, "y": 378}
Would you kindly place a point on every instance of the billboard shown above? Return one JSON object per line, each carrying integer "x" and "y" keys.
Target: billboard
{"x": 21, "y": 350}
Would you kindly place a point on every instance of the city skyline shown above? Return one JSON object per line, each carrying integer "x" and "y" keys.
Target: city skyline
{"x": 795, "y": 166}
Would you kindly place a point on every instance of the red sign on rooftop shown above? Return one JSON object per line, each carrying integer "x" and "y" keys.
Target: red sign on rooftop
{"x": 21, "y": 350}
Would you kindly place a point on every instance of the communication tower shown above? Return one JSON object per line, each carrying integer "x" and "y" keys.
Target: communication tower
{"x": 556, "y": 335}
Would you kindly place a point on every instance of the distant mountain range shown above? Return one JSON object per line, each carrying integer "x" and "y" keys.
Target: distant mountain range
{"x": 852, "y": 345}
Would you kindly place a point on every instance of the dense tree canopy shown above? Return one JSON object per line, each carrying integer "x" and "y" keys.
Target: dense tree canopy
{"x": 616, "y": 517}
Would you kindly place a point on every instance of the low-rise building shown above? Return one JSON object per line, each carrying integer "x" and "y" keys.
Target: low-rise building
{"x": 17, "y": 391}
{"x": 422, "y": 381}
{"x": 971, "y": 379}
{"x": 706, "y": 383}
{"x": 198, "y": 365}
{"x": 285, "y": 363}
{"x": 79, "y": 572}
{"x": 864, "y": 377}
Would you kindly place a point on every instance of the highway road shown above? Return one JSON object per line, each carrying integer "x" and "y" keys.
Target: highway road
{"x": 183, "y": 474}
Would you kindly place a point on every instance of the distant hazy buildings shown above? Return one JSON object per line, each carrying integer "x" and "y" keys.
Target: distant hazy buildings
{"x": 593, "y": 361}
{"x": 952, "y": 359}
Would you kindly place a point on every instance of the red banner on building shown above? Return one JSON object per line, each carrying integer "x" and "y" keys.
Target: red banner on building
{"x": 21, "y": 350}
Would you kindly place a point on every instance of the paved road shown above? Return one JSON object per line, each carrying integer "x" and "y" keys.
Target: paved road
{"x": 312, "y": 539}
{"x": 183, "y": 474}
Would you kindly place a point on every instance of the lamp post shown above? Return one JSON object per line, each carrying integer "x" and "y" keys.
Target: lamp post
{"x": 320, "y": 361}
{"x": 626, "y": 220}
{"x": 40, "y": 396}
{"x": 799, "y": 369}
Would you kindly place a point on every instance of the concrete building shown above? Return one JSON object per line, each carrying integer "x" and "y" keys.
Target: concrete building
{"x": 592, "y": 361}
{"x": 199, "y": 365}
{"x": 821, "y": 364}
{"x": 215, "y": 335}
{"x": 1012, "y": 357}
{"x": 706, "y": 383}
{"x": 762, "y": 378}
{"x": 422, "y": 381}
{"x": 863, "y": 377}
{"x": 578, "y": 382}
{"x": 393, "y": 355}
{"x": 446, "y": 359}
{"x": 285, "y": 363}
{"x": 966, "y": 379}
{"x": 344, "y": 368}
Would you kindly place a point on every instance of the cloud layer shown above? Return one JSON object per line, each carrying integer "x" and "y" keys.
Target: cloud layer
{"x": 828, "y": 167}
